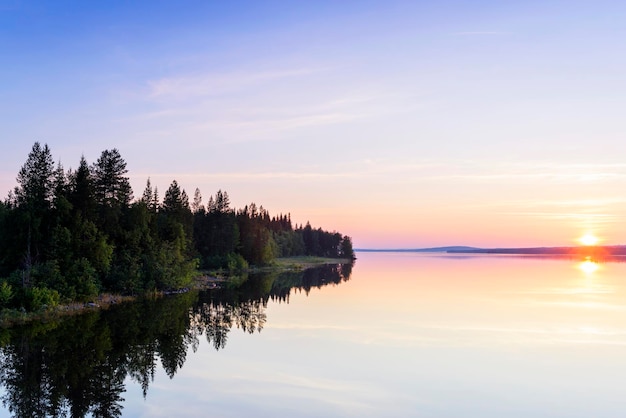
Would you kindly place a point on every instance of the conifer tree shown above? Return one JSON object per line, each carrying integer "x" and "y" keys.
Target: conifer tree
{"x": 173, "y": 200}
{"x": 112, "y": 190}
{"x": 112, "y": 185}
{"x": 147, "y": 193}
{"x": 36, "y": 179}
{"x": 33, "y": 196}
{"x": 82, "y": 192}
{"x": 196, "y": 206}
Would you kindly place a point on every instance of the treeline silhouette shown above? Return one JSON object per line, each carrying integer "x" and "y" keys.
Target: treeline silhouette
{"x": 70, "y": 235}
{"x": 51, "y": 370}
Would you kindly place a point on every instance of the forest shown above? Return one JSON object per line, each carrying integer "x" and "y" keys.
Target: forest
{"x": 69, "y": 235}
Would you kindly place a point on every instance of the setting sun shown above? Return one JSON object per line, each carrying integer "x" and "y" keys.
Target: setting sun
{"x": 588, "y": 239}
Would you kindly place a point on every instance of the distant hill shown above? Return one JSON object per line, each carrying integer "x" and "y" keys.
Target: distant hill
{"x": 454, "y": 248}
{"x": 592, "y": 251}
{"x": 600, "y": 250}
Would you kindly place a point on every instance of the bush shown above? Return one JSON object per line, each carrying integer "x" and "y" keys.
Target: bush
{"x": 37, "y": 298}
{"x": 6, "y": 294}
{"x": 230, "y": 261}
{"x": 235, "y": 262}
{"x": 48, "y": 275}
{"x": 83, "y": 280}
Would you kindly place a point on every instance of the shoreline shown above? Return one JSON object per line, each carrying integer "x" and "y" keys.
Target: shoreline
{"x": 10, "y": 318}
{"x": 204, "y": 280}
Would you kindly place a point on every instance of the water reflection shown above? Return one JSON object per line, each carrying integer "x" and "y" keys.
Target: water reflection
{"x": 588, "y": 266}
{"x": 78, "y": 366}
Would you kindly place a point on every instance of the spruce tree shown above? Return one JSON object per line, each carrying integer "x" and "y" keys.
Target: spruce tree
{"x": 33, "y": 197}
{"x": 112, "y": 191}
{"x": 82, "y": 195}
{"x": 112, "y": 185}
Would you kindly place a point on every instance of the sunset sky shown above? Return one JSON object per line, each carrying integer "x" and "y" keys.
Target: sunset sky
{"x": 399, "y": 123}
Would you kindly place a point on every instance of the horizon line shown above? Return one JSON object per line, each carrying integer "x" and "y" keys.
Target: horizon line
{"x": 443, "y": 247}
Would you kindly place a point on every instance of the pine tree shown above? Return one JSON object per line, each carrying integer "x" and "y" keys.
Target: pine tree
{"x": 173, "y": 200}
{"x": 147, "y": 193}
{"x": 155, "y": 205}
{"x": 112, "y": 185}
{"x": 36, "y": 179}
{"x": 222, "y": 202}
{"x": 33, "y": 197}
{"x": 82, "y": 195}
{"x": 112, "y": 191}
{"x": 346, "y": 248}
{"x": 196, "y": 206}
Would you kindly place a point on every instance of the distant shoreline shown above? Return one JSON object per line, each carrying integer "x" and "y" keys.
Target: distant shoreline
{"x": 417, "y": 250}
{"x": 587, "y": 251}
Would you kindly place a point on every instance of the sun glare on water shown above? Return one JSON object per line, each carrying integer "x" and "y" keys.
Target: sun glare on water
{"x": 588, "y": 239}
{"x": 588, "y": 266}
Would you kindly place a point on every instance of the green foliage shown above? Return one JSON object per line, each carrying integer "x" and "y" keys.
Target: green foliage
{"x": 235, "y": 262}
{"x": 60, "y": 246}
{"x": 270, "y": 249}
{"x": 38, "y": 298}
{"x": 48, "y": 274}
{"x": 91, "y": 243}
{"x": 175, "y": 270}
{"x": 289, "y": 243}
{"x": 232, "y": 262}
{"x": 82, "y": 280}
{"x": 6, "y": 294}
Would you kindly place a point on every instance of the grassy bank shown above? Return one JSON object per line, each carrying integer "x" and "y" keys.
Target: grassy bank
{"x": 305, "y": 262}
{"x": 11, "y": 317}
{"x": 297, "y": 263}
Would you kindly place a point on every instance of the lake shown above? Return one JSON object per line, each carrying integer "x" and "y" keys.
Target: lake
{"x": 396, "y": 335}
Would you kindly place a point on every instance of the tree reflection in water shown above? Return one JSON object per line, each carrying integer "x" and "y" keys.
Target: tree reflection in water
{"x": 77, "y": 366}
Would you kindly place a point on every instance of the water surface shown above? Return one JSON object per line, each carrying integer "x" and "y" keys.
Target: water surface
{"x": 401, "y": 335}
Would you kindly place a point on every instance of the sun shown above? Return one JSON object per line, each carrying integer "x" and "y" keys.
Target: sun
{"x": 588, "y": 239}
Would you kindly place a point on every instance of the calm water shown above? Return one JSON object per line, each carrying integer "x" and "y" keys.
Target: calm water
{"x": 401, "y": 335}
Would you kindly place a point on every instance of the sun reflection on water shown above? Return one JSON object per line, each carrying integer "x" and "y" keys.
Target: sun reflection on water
{"x": 588, "y": 266}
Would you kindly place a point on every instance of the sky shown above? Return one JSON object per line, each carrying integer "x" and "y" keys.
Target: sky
{"x": 399, "y": 123}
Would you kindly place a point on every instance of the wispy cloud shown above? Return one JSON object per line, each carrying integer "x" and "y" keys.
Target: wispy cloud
{"x": 237, "y": 130}
{"x": 593, "y": 218}
{"x": 426, "y": 171}
{"x": 260, "y": 114}
{"x": 581, "y": 203}
{"x": 477, "y": 171}
{"x": 249, "y": 176}
{"x": 192, "y": 86}
{"x": 245, "y": 105}
{"x": 480, "y": 32}
{"x": 534, "y": 171}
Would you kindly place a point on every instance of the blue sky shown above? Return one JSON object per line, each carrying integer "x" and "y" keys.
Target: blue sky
{"x": 398, "y": 123}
